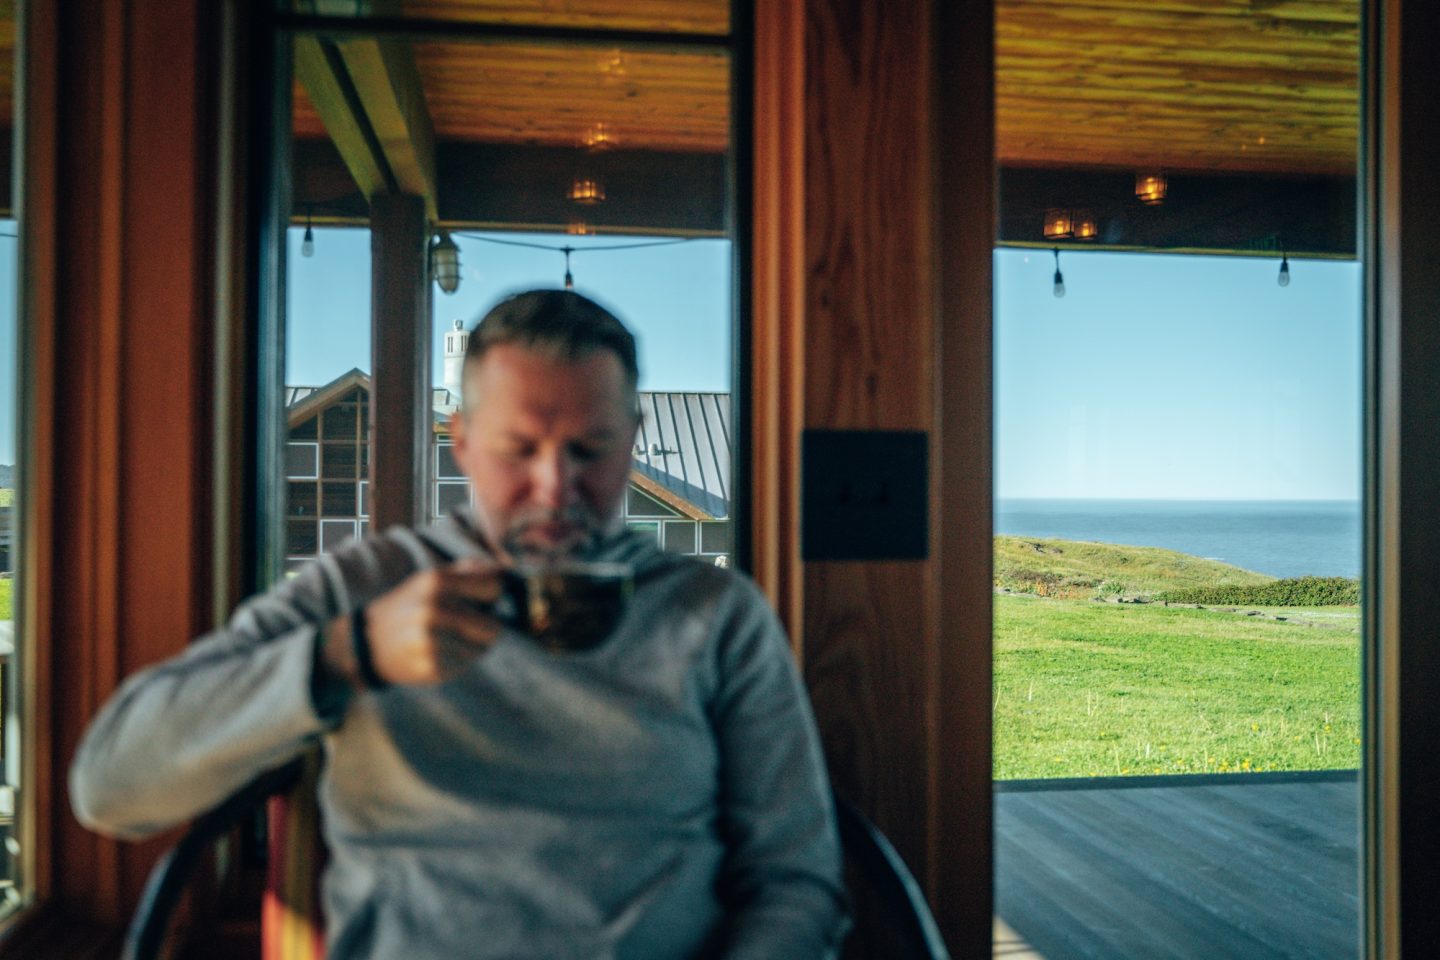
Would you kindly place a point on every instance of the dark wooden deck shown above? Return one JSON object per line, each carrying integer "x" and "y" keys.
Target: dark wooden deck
{"x": 1184, "y": 867}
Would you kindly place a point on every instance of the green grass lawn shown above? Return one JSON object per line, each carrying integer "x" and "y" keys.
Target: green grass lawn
{"x": 6, "y": 585}
{"x": 1088, "y": 689}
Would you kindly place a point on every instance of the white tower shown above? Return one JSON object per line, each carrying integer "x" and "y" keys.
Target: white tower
{"x": 455, "y": 340}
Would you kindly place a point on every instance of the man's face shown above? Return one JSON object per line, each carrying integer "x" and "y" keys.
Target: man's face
{"x": 546, "y": 444}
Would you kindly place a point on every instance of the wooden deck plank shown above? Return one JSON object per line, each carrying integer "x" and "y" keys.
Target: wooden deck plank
{"x": 1248, "y": 870}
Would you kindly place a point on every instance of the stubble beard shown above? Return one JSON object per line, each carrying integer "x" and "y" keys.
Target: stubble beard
{"x": 529, "y": 543}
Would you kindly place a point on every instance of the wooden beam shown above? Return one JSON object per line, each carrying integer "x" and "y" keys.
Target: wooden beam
{"x": 321, "y": 71}
{"x": 388, "y": 85}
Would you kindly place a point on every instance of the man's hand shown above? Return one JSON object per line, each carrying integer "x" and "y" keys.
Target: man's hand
{"x": 427, "y": 630}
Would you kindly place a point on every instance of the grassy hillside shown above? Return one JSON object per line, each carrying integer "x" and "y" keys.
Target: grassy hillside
{"x": 1087, "y": 689}
{"x": 7, "y": 497}
{"x": 1079, "y": 570}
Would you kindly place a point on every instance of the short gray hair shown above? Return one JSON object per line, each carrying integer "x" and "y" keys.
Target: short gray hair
{"x": 560, "y": 323}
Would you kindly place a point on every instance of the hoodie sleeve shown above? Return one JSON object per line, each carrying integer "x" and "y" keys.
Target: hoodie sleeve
{"x": 782, "y": 882}
{"x": 179, "y": 737}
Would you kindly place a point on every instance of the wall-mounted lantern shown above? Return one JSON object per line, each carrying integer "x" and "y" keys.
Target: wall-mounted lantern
{"x": 445, "y": 262}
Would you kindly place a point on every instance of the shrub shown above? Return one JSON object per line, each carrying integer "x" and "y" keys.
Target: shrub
{"x": 1294, "y": 592}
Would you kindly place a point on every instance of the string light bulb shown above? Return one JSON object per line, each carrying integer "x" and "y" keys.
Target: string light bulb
{"x": 1284, "y": 278}
{"x": 307, "y": 243}
{"x": 1059, "y": 288}
{"x": 569, "y": 278}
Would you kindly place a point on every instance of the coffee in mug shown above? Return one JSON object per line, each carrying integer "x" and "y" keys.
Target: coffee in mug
{"x": 571, "y": 605}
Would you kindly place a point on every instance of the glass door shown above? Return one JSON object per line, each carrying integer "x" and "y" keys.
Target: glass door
{"x": 1178, "y": 333}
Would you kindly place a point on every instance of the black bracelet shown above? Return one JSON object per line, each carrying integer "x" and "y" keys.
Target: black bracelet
{"x": 364, "y": 663}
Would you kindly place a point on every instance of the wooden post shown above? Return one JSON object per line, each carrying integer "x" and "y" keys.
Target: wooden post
{"x": 400, "y": 412}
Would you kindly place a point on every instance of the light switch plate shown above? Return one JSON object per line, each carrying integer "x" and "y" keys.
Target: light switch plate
{"x": 864, "y": 495}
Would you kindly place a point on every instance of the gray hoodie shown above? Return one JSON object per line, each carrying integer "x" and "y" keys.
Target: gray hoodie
{"x": 660, "y": 796}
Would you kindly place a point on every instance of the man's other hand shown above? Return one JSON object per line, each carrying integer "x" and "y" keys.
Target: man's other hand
{"x": 427, "y": 630}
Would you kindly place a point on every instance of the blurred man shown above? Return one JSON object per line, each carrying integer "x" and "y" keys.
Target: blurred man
{"x": 660, "y": 795}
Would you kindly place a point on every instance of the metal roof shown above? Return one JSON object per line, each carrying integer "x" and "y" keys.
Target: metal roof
{"x": 684, "y": 444}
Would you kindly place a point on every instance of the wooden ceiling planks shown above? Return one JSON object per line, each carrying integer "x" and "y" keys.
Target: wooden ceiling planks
{"x": 1207, "y": 85}
{"x": 545, "y": 95}
{"x": 1222, "y": 85}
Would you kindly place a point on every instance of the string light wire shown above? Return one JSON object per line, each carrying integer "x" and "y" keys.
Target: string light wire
{"x": 568, "y": 249}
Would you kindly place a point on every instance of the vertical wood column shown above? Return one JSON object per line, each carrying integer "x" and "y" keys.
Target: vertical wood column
{"x": 871, "y": 628}
{"x": 400, "y": 413}
{"x": 778, "y": 326}
{"x": 873, "y": 241}
{"x": 116, "y": 213}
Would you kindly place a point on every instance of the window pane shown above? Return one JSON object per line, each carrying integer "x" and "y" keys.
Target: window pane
{"x": 445, "y": 465}
{"x": 715, "y": 537}
{"x": 341, "y": 460}
{"x": 302, "y": 537}
{"x": 301, "y": 460}
{"x": 339, "y": 499}
{"x": 304, "y": 499}
{"x": 641, "y": 504}
{"x": 335, "y": 532}
{"x": 680, "y": 536}
{"x": 327, "y": 354}
{"x": 448, "y": 496}
{"x": 340, "y": 423}
{"x": 641, "y": 203}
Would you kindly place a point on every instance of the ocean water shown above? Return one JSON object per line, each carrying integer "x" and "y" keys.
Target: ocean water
{"x": 1284, "y": 538}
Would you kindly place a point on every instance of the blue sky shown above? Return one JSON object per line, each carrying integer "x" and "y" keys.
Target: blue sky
{"x": 1176, "y": 377}
{"x": 1156, "y": 377}
{"x": 675, "y": 297}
